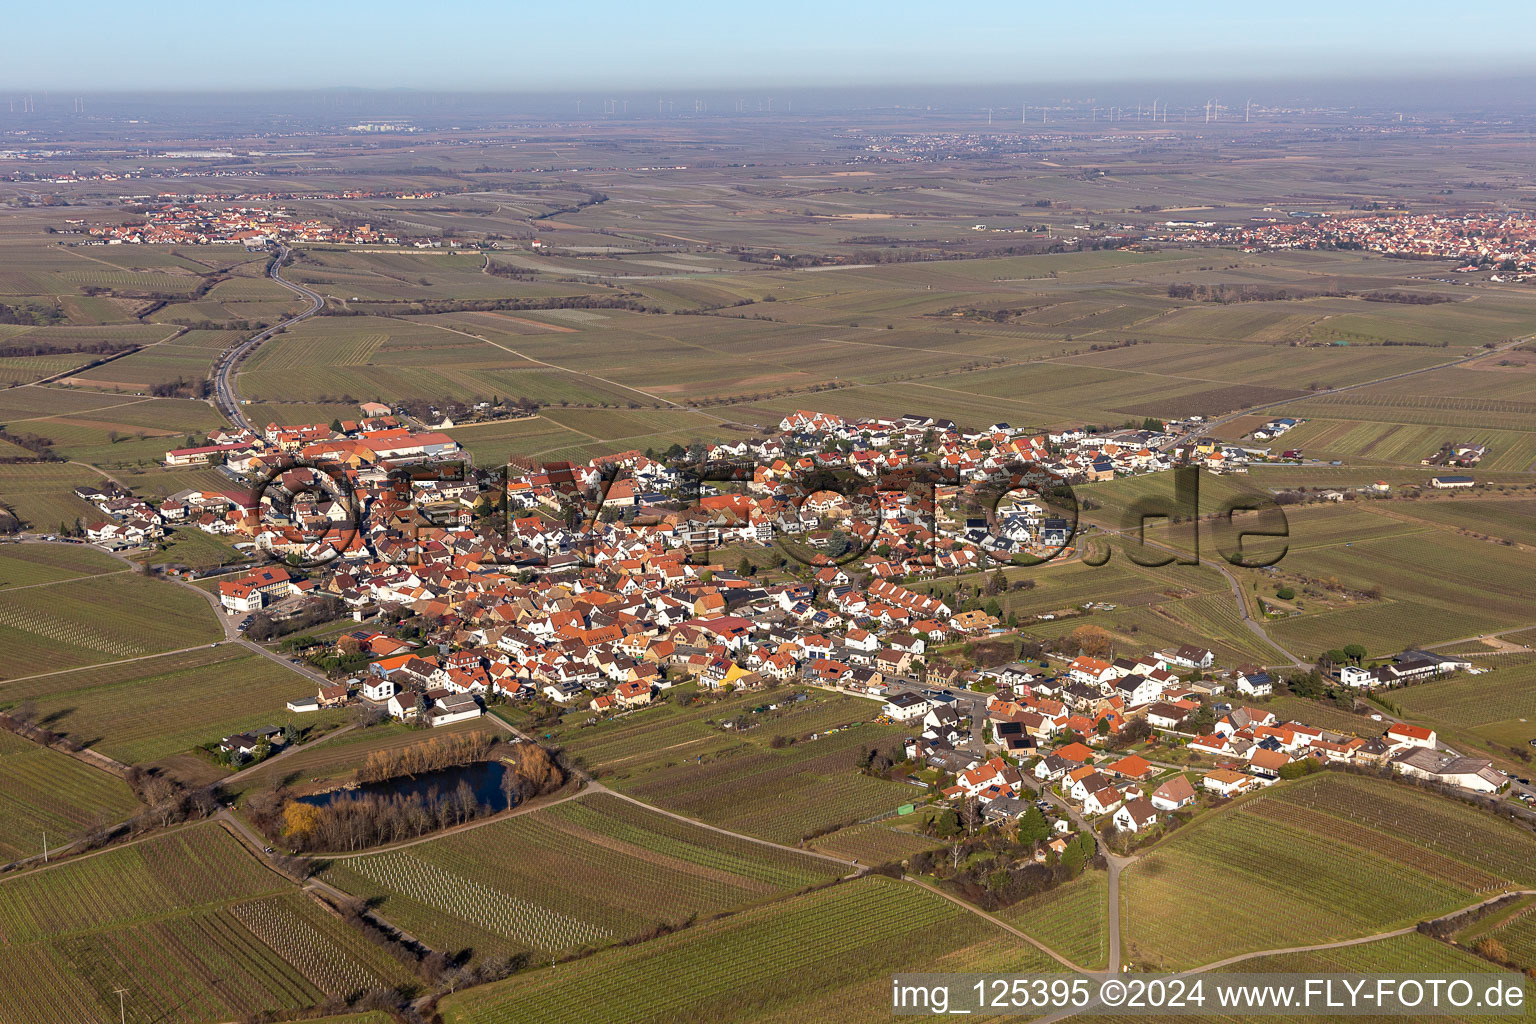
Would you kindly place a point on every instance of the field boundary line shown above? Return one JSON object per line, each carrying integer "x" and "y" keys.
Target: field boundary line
{"x": 1004, "y": 925}
{"x": 1359, "y": 941}
{"x": 103, "y": 664}
{"x": 553, "y": 366}
{"x": 71, "y": 579}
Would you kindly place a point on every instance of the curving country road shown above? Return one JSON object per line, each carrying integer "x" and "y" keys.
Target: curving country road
{"x": 225, "y": 398}
{"x": 1254, "y": 625}
{"x": 227, "y": 623}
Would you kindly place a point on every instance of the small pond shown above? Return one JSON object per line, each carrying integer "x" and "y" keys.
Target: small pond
{"x": 484, "y": 778}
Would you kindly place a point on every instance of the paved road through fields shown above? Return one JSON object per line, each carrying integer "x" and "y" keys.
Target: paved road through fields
{"x": 225, "y": 397}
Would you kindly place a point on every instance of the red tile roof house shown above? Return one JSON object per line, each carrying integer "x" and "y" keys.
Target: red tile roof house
{"x": 1075, "y": 752}
{"x": 1173, "y": 794}
{"x": 1402, "y": 735}
{"x": 1132, "y": 767}
{"x": 1091, "y": 670}
{"x": 1228, "y": 783}
{"x": 239, "y": 597}
{"x": 993, "y": 772}
{"x": 1102, "y": 799}
{"x": 633, "y": 694}
{"x": 1267, "y": 762}
{"x": 1215, "y": 743}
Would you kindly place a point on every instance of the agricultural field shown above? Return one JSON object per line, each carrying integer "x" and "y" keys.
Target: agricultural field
{"x": 1511, "y": 519}
{"x": 1460, "y": 844}
{"x": 821, "y": 956}
{"x": 164, "y": 363}
{"x": 579, "y": 434}
{"x": 194, "y": 549}
{"x": 684, "y": 760}
{"x": 659, "y": 734}
{"x": 47, "y": 793}
{"x": 161, "y": 482}
{"x": 877, "y": 842}
{"x": 1071, "y": 919}
{"x": 352, "y": 359}
{"x": 1513, "y": 927}
{"x": 131, "y": 433}
{"x": 1478, "y": 589}
{"x": 146, "y": 710}
{"x": 1199, "y": 358}
{"x": 678, "y": 296}
{"x": 1387, "y": 441}
{"x": 106, "y": 617}
{"x": 189, "y": 922}
{"x": 41, "y": 494}
{"x": 1119, "y": 504}
{"x": 571, "y": 884}
{"x": 490, "y": 444}
{"x": 1322, "y": 714}
{"x": 380, "y": 279}
{"x": 1496, "y": 708}
{"x": 1153, "y": 605}
{"x": 32, "y": 565}
{"x": 1324, "y": 859}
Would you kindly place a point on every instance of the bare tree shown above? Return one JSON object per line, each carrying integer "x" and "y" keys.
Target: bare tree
{"x": 970, "y": 814}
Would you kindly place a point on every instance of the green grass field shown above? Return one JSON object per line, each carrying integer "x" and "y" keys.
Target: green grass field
{"x": 189, "y": 922}
{"x": 878, "y": 842}
{"x": 576, "y": 880}
{"x": 151, "y": 709}
{"x": 1477, "y": 588}
{"x": 107, "y": 617}
{"x": 1497, "y": 707}
{"x": 42, "y": 493}
{"x": 1328, "y": 858}
{"x": 30, "y": 565}
{"x": 1324, "y": 715}
{"x": 45, "y": 792}
{"x": 1072, "y": 919}
{"x": 1514, "y": 929}
{"x": 195, "y": 549}
{"x": 1507, "y": 518}
{"x": 683, "y": 760}
{"x": 827, "y": 955}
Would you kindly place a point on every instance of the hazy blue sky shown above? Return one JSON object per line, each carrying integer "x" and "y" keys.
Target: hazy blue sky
{"x": 451, "y": 44}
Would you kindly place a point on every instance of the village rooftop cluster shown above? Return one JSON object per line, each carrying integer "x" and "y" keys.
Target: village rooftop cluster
{"x": 187, "y": 221}
{"x": 604, "y": 598}
{"x": 1505, "y": 242}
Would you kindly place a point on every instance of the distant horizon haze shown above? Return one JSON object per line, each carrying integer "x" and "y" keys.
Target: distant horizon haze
{"x": 609, "y": 47}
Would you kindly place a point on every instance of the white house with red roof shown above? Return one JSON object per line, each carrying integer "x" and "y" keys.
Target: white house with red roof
{"x": 1401, "y": 736}
{"x": 989, "y": 773}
